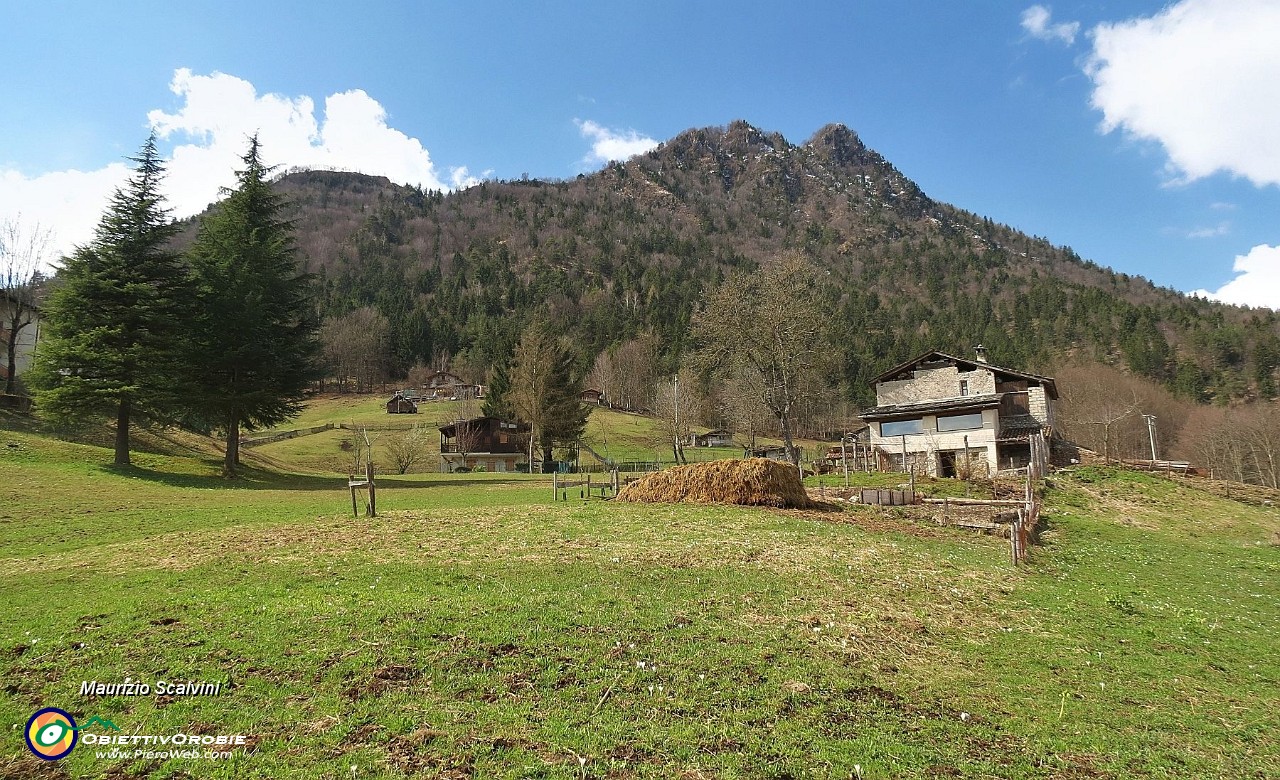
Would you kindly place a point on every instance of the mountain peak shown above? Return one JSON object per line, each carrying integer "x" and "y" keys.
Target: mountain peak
{"x": 840, "y": 142}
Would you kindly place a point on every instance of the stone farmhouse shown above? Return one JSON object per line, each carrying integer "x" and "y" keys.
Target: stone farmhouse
{"x": 950, "y": 416}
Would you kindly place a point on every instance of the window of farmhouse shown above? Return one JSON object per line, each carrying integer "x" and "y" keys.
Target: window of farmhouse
{"x": 901, "y": 427}
{"x": 960, "y": 422}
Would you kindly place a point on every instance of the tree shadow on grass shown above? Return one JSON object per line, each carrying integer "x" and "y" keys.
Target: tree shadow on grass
{"x": 249, "y": 478}
{"x": 252, "y": 478}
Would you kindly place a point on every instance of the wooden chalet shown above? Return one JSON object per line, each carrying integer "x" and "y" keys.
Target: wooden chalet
{"x": 399, "y": 404}
{"x": 488, "y": 443}
{"x": 773, "y": 452}
{"x": 716, "y": 438}
{"x": 447, "y": 386}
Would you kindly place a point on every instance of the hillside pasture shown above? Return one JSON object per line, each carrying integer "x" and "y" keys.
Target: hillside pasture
{"x": 478, "y": 629}
{"x": 620, "y": 436}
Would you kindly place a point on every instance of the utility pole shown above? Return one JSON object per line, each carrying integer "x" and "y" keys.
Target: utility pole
{"x": 676, "y": 397}
{"x": 1151, "y": 435}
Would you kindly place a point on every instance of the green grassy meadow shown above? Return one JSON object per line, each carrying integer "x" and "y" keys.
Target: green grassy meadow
{"x": 477, "y": 628}
{"x": 620, "y": 436}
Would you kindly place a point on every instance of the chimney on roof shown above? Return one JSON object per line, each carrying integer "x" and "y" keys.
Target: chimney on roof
{"x": 981, "y": 353}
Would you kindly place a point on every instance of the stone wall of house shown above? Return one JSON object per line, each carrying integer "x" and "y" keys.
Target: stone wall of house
{"x": 931, "y": 384}
{"x": 1040, "y": 405}
{"x": 924, "y": 446}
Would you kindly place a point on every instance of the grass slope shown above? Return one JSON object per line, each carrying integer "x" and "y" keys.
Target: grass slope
{"x": 620, "y": 436}
{"x": 477, "y": 629}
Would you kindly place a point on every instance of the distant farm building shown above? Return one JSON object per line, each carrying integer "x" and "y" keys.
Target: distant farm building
{"x": 399, "y": 404}
{"x": 951, "y": 416}
{"x": 854, "y": 453}
{"x": 716, "y": 438}
{"x": 446, "y": 386}
{"x": 484, "y": 444}
{"x": 591, "y": 396}
{"x": 772, "y": 452}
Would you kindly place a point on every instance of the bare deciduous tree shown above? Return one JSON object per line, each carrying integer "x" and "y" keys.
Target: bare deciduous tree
{"x": 24, "y": 252}
{"x": 742, "y": 406}
{"x": 468, "y": 433}
{"x": 1101, "y": 408}
{"x": 773, "y": 322}
{"x": 362, "y": 448}
{"x": 675, "y": 405}
{"x": 419, "y": 375}
{"x": 1240, "y": 444}
{"x": 624, "y": 374}
{"x": 409, "y": 448}
{"x": 606, "y": 377}
{"x": 355, "y": 348}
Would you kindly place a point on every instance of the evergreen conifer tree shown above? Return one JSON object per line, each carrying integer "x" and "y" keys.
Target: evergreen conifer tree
{"x": 546, "y": 391}
{"x": 497, "y": 402}
{"x": 253, "y": 352}
{"x": 114, "y": 325}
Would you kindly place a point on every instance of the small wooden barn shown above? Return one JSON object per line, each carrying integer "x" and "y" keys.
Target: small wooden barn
{"x": 401, "y": 405}
{"x": 716, "y": 438}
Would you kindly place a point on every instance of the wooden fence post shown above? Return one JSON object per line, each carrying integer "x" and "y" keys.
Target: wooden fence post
{"x": 1013, "y": 539}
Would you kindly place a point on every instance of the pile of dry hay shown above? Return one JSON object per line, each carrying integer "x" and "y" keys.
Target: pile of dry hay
{"x": 754, "y": 482}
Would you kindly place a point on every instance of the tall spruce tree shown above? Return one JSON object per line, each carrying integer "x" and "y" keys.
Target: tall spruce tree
{"x": 497, "y": 402}
{"x": 114, "y": 325}
{"x": 546, "y": 391}
{"x": 254, "y": 350}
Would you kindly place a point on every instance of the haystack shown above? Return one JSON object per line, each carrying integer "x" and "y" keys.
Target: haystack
{"x": 753, "y": 482}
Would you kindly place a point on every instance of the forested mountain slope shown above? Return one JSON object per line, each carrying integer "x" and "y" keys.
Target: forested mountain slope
{"x": 607, "y": 256}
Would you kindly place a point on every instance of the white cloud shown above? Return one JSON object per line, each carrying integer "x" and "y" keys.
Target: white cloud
{"x": 1220, "y": 229}
{"x": 609, "y": 144}
{"x": 1202, "y": 79}
{"x": 210, "y": 131}
{"x": 1036, "y": 20}
{"x": 1257, "y": 281}
{"x": 67, "y": 203}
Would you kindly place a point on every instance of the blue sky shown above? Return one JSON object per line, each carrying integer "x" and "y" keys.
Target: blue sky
{"x": 1144, "y": 135}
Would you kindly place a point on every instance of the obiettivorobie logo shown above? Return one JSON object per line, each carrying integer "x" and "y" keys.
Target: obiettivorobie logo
{"x": 52, "y": 733}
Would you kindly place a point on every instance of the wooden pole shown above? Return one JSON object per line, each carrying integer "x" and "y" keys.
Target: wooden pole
{"x": 844, "y": 460}
{"x": 1013, "y": 541}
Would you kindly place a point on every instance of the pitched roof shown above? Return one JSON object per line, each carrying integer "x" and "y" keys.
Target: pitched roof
{"x": 967, "y": 403}
{"x": 971, "y": 364}
{"x": 451, "y": 429}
